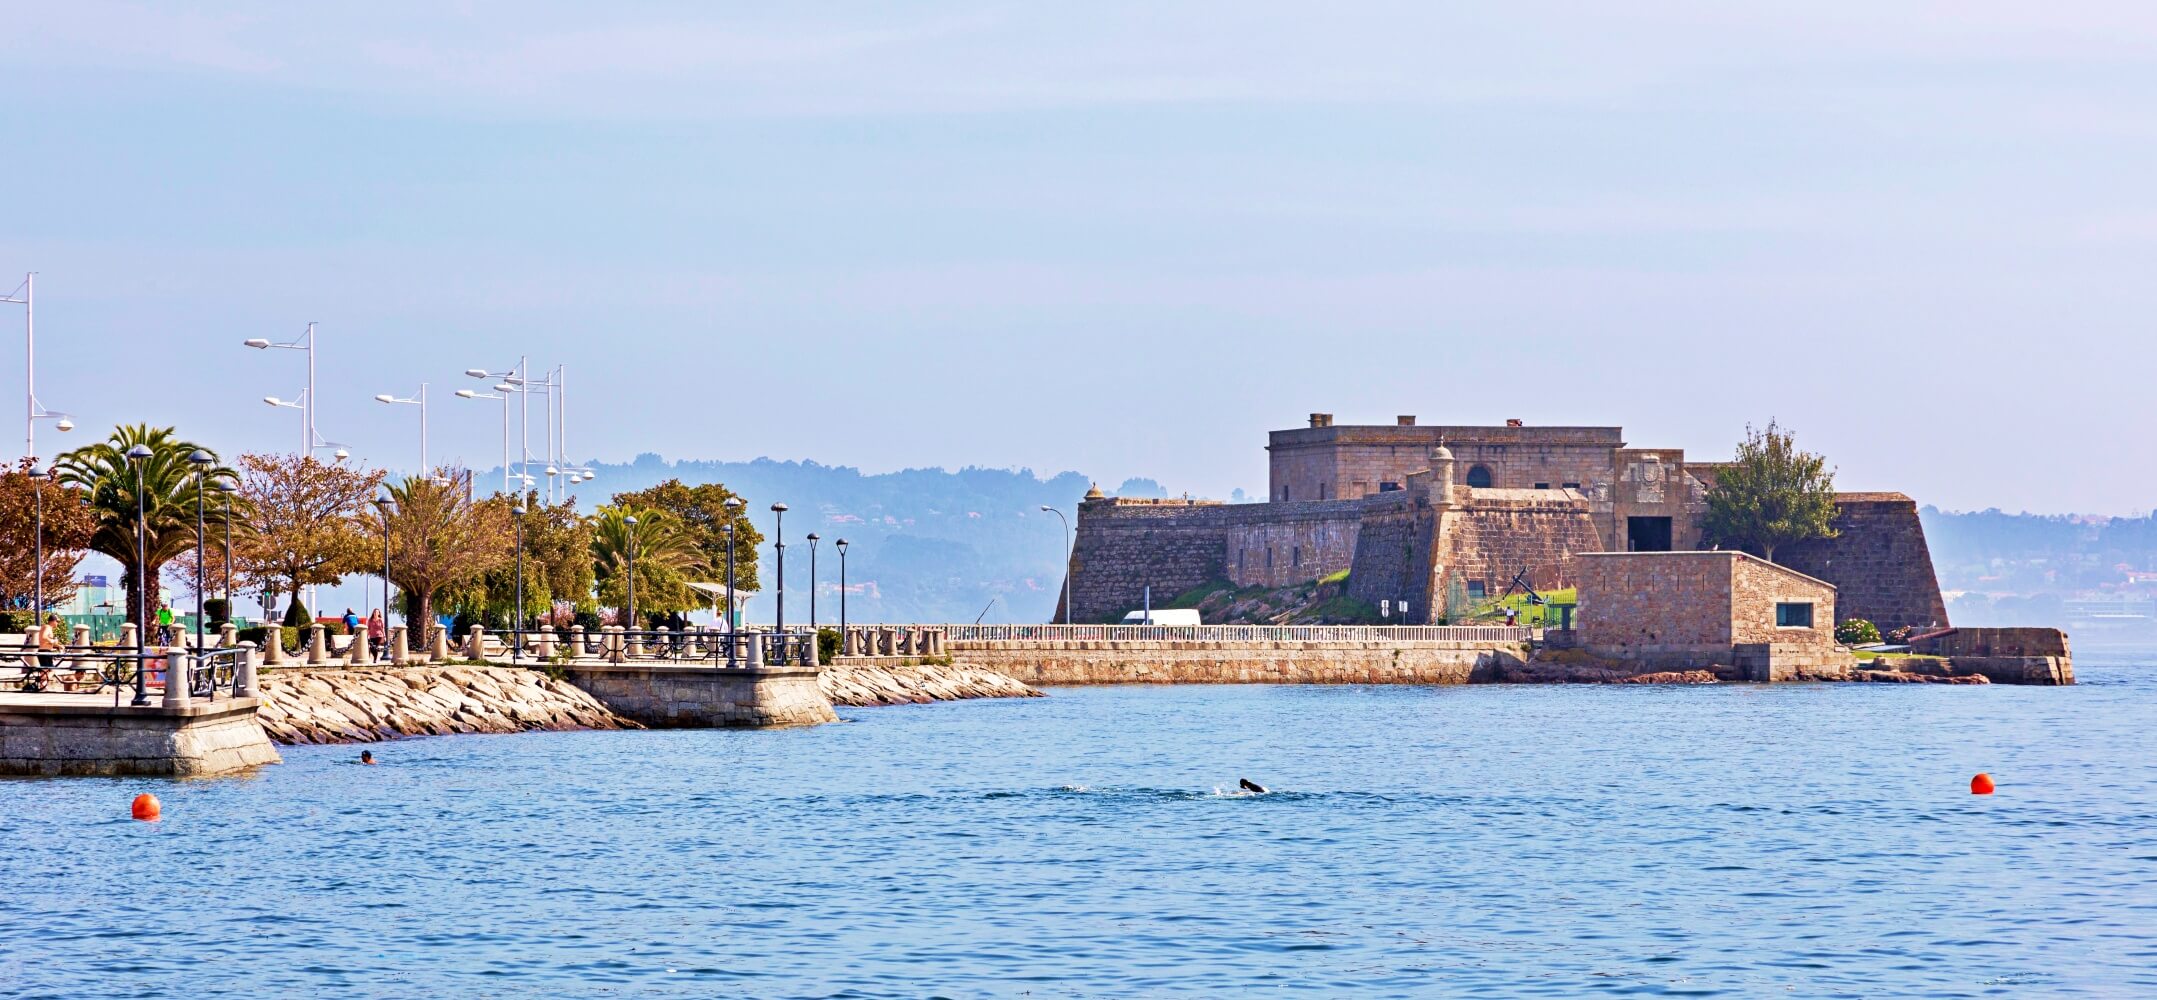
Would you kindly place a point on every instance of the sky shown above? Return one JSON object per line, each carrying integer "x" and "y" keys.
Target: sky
{"x": 1125, "y": 239}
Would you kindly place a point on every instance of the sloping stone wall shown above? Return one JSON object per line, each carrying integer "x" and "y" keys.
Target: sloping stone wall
{"x": 302, "y": 705}
{"x": 1879, "y": 562}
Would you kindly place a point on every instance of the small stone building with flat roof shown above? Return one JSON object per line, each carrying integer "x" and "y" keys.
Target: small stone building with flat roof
{"x": 1696, "y": 610}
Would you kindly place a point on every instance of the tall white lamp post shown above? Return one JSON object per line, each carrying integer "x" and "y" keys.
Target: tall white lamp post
{"x": 25, "y": 295}
{"x": 425, "y": 470}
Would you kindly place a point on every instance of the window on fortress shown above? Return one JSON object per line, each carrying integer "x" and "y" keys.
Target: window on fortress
{"x": 1479, "y": 477}
{"x": 1542, "y": 486}
{"x": 1790, "y": 615}
{"x": 1388, "y": 487}
{"x": 1295, "y": 556}
{"x": 1475, "y": 590}
{"x": 1570, "y": 486}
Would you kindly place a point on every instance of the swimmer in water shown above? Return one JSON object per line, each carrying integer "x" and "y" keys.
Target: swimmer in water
{"x": 366, "y": 756}
{"x": 1250, "y": 786}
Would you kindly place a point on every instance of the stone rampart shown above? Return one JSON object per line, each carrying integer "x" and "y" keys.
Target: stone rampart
{"x": 1878, "y": 562}
{"x": 1122, "y": 546}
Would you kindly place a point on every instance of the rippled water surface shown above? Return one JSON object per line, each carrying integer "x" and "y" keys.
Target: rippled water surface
{"x": 1561, "y": 841}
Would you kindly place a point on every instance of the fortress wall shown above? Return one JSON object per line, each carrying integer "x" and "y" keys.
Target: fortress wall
{"x": 1392, "y": 558}
{"x": 1299, "y": 543}
{"x": 1122, "y": 546}
{"x": 1497, "y": 537}
{"x": 1878, "y": 562}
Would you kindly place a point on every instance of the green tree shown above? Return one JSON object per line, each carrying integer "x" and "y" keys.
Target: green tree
{"x": 165, "y": 485}
{"x": 1771, "y": 495}
{"x": 439, "y": 537}
{"x": 557, "y": 567}
{"x": 68, "y": 529}
{"x": 666, "y": 558}
{"x": 704, "y": 514}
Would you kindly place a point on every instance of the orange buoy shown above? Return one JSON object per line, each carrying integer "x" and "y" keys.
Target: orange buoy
{"x": 146, "y": 807}
{"x": 1981, "y": 785}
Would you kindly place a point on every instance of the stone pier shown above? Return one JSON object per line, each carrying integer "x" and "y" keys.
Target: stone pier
{"x": 665, "y": 695}
{"x": 48, "y": 734}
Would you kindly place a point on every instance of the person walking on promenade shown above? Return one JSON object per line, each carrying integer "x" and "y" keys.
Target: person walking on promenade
{"x": 375, "y": 631}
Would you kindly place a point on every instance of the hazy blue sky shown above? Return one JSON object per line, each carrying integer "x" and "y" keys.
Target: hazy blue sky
{"x": 1122, "y": 239}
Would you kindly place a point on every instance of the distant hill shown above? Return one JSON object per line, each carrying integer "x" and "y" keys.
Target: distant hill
{"x": 927, "y": 545}
{"x": 2071, "y": 570}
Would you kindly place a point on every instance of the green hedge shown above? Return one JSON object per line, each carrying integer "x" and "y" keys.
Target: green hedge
{"x": 291, "y": 636}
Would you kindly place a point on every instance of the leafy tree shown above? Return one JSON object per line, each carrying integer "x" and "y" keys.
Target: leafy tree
{"x": 440, "y": 537}
{"x": 557, "y": 567}
{"x": 68, "y": 528}
{"x": 1771, "y": 495}
{"x": 166, "y": 486}
{"x": 297, "y": 522}
{"x": 666, "y": 559}
{"x": 704, "y": 514}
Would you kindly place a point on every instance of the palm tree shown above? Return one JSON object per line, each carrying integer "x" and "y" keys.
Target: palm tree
{"x": 165, "y": 485}
{"x": 666, "y": 555}
{"x": 439, "y": 537}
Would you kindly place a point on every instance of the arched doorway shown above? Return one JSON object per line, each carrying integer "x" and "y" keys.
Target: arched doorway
{"x": 1479, "y": 476}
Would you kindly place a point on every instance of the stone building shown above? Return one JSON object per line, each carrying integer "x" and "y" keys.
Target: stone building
{"x": 1429, "y": 517}
{"x": 1694, "y": 610}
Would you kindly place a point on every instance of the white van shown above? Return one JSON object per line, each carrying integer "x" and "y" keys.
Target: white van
{"x": 1164, "y": 616}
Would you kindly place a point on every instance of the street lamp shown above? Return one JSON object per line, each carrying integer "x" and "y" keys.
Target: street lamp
{"x": 224, "y": 491}
{"x": 309, "y": 440}
{"x": 136, "y": 456}
{"x": 38, "y": 599}
{"x": 516, "y": 649}
{"x": 812, "y": 582}
{"x": 202, "y": 461}
{"x": 630, "y": 617}
{"x": 1067, "y": 559}
{"x": 34, "y": 411}
{"x": 425, "y": 470}
{"x": 500, "y": 392}
{"x": 387, "y": 505}
{"x": 731, "y": 623}
{"x": 778, "y": 539}
{"x": 842, "y": 588}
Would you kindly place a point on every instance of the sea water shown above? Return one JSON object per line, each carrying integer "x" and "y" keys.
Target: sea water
{"x": 1723, "y": 840}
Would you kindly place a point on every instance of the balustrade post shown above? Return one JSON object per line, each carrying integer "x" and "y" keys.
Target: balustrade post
{"x": 475, "y": 643}
{"x": 577, "y": 649}
{"x": 544, "y": 648}
{"x": 633, "y": 644}
{"x": 395, "y": 647}
{"x": 356, "y": 653}
{"x": 178, "y": 678}
{"x": 228, "y": 636}
{"x": 756, "y": 651}
{"x": 317, "y": 645}
{"x": 243, "y": 672}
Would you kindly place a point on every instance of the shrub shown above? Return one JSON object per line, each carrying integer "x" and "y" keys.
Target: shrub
{"x": 296, "y": 613}
{"x": 18, "y": 621}
{"x": 289, "y": 636}
{"x": 1857, "y": 632}
{"x": 827, "y": 645}
{"x": 218, "y": 610}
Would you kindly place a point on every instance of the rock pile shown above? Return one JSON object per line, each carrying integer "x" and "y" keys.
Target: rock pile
{"x": 366, "y": 706}
{"x": 890, "y": 684}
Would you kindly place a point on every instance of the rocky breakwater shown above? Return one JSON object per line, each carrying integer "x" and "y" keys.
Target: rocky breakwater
{"x": 1577, "y": 667}
{"x": 301, "y": 705}
{"x": 865, "y": 683}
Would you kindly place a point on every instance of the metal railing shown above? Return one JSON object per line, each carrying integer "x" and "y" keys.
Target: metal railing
{"x": 710, "y": 646}
{"x": 96, "y": 669}
{"x": 1232, "y": 633}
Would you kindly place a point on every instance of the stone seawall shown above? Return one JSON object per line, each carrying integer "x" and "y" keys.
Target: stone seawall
{"x": 683, "y": 696}
{"x": 1052, "y": 662}
{"x": 87, "y": 735}
{"x": 368, "y": 705}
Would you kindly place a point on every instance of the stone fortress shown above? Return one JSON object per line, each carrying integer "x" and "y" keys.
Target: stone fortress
{"x": 1431, "y": 521}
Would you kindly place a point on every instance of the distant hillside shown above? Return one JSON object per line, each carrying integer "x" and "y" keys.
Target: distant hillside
{"x": 927, "y": 545}
{"x": 2043, "y": 569}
